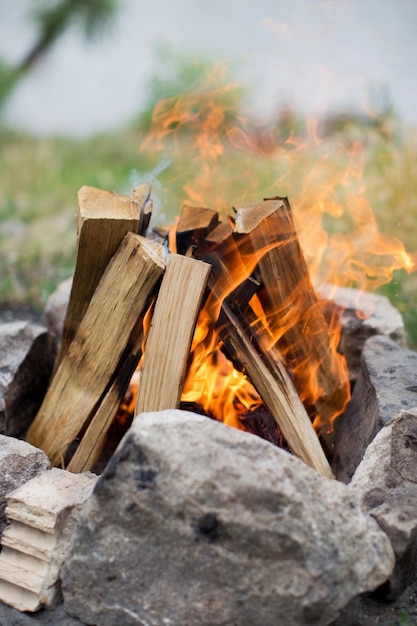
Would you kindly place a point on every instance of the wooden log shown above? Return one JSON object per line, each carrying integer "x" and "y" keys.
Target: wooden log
{"x": 248, "y": 347}
{"x": 93, "y": 440}
{"x": 104, "y": 218}
{"x": 291, "y": 307}
{"x": 277, "y": 391}
{"x": 83, "y": 376}
{"x": 168, "y": 344}
{"x": 193, "y": 226}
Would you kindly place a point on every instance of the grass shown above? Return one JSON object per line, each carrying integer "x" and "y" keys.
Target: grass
{"x": 403, "y": 619}
{"x": 331, "y": 175}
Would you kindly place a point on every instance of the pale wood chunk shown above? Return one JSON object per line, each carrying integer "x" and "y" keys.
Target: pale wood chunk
{"x": 104, "y": 218}
{"x": 193, "y": 226}
{"x": 277, "y": 391}
{"x": 91, "y": 445}
{"x": 170, "y": 335}
{"x": 85, "y": 375}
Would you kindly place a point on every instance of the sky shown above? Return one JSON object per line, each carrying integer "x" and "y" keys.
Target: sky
{"x": 316, "y": 55}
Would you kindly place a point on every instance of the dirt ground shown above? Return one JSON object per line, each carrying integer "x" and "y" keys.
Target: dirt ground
{"x": 369, "y": 612}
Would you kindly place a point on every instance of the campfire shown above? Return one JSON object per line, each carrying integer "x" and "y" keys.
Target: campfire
{"x": 234, "y": 327}
{"x": 216, "y": 316}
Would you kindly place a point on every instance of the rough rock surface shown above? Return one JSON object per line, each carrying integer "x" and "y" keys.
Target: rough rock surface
{"x": 363, "y": 314}
{"x": 41, "y": 514}
{"x": 196, "y": 523}
{"x": 19, "y": 462}
{"x": 386, "y": 483}
{"x": 26, "y": 362}
{"x": 56, "y": 308}
{"x": 387, "y": 385}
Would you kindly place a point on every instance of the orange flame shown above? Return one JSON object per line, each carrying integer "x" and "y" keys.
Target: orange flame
{"x": 336, "y": 226}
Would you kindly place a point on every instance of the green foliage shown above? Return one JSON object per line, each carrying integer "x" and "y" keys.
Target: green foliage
{"x": 403, "y": 619}
{"x": 198, "y": 146}
{"x": 8, "y": 79}
{"x": 52, "y": 18}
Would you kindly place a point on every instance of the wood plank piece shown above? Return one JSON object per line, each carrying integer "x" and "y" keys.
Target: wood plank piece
{"x": 291, "y": 306}
{"x": 83, "y": 376}
{"x": 103, "y": 220}
{"x": 277, "y": 392}
{"x": 91, "y": 445}
{"x": 193, "y": 226}
{"x": 249, "y": 350}
{"x": 168, "y": 344}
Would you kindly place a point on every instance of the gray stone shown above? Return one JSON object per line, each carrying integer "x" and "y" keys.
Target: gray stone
{"x": 2, "y": 415}
{"x": 197, "y": 523}
{"x": 19, "y": 462}
{"x": 386, "y": 483}
{"x": 26, "y": 362}
{"x": 387, "y": 384}
{"x": 363, "y": 315}
{"x": 56, "y": 308}
{"x": 41, "y": 515}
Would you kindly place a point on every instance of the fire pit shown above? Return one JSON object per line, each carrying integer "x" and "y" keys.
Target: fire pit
{"x": 192, "y": 522}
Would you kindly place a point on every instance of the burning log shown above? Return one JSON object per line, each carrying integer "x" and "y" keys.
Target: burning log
{"x": 104, "y": 218}
{"x": 291, "y": 307}
{"x": 277, "y": 392}
{"x": 171, "y": 332}
{"x": 86, "y": 372}
{"x": 193, "y": 226}
{"x": 230, "y": 286}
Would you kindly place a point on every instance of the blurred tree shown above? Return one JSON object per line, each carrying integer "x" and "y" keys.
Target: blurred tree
{"x": 52, "y": 18}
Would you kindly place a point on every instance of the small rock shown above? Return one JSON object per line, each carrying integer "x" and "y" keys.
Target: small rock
{"x": 19, "y": 462}
{"x": 387, "y": 384}
{"x": 41, "y": 515}
{"x": 26, "y": 361}
{"x": 363, "y": 315}
{"x": 386, "y": 483}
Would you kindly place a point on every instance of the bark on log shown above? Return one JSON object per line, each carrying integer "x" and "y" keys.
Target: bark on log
{"x": 84, "y": 375}
{"x": 104, "y": 218}
{"x": 168, "y": 344}
{"x": 292, "y": 308}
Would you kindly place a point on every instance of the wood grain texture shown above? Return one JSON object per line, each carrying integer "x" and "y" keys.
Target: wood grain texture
{"x": 168, "y": 344}
{"x": 277, "y": 391}
{"x": 103, "y": 220}
{"x": 85, "y": 373}
{"x": 292, "y": 308}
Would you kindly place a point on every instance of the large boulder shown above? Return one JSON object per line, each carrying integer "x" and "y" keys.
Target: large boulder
{"x": 197, "y": 523}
